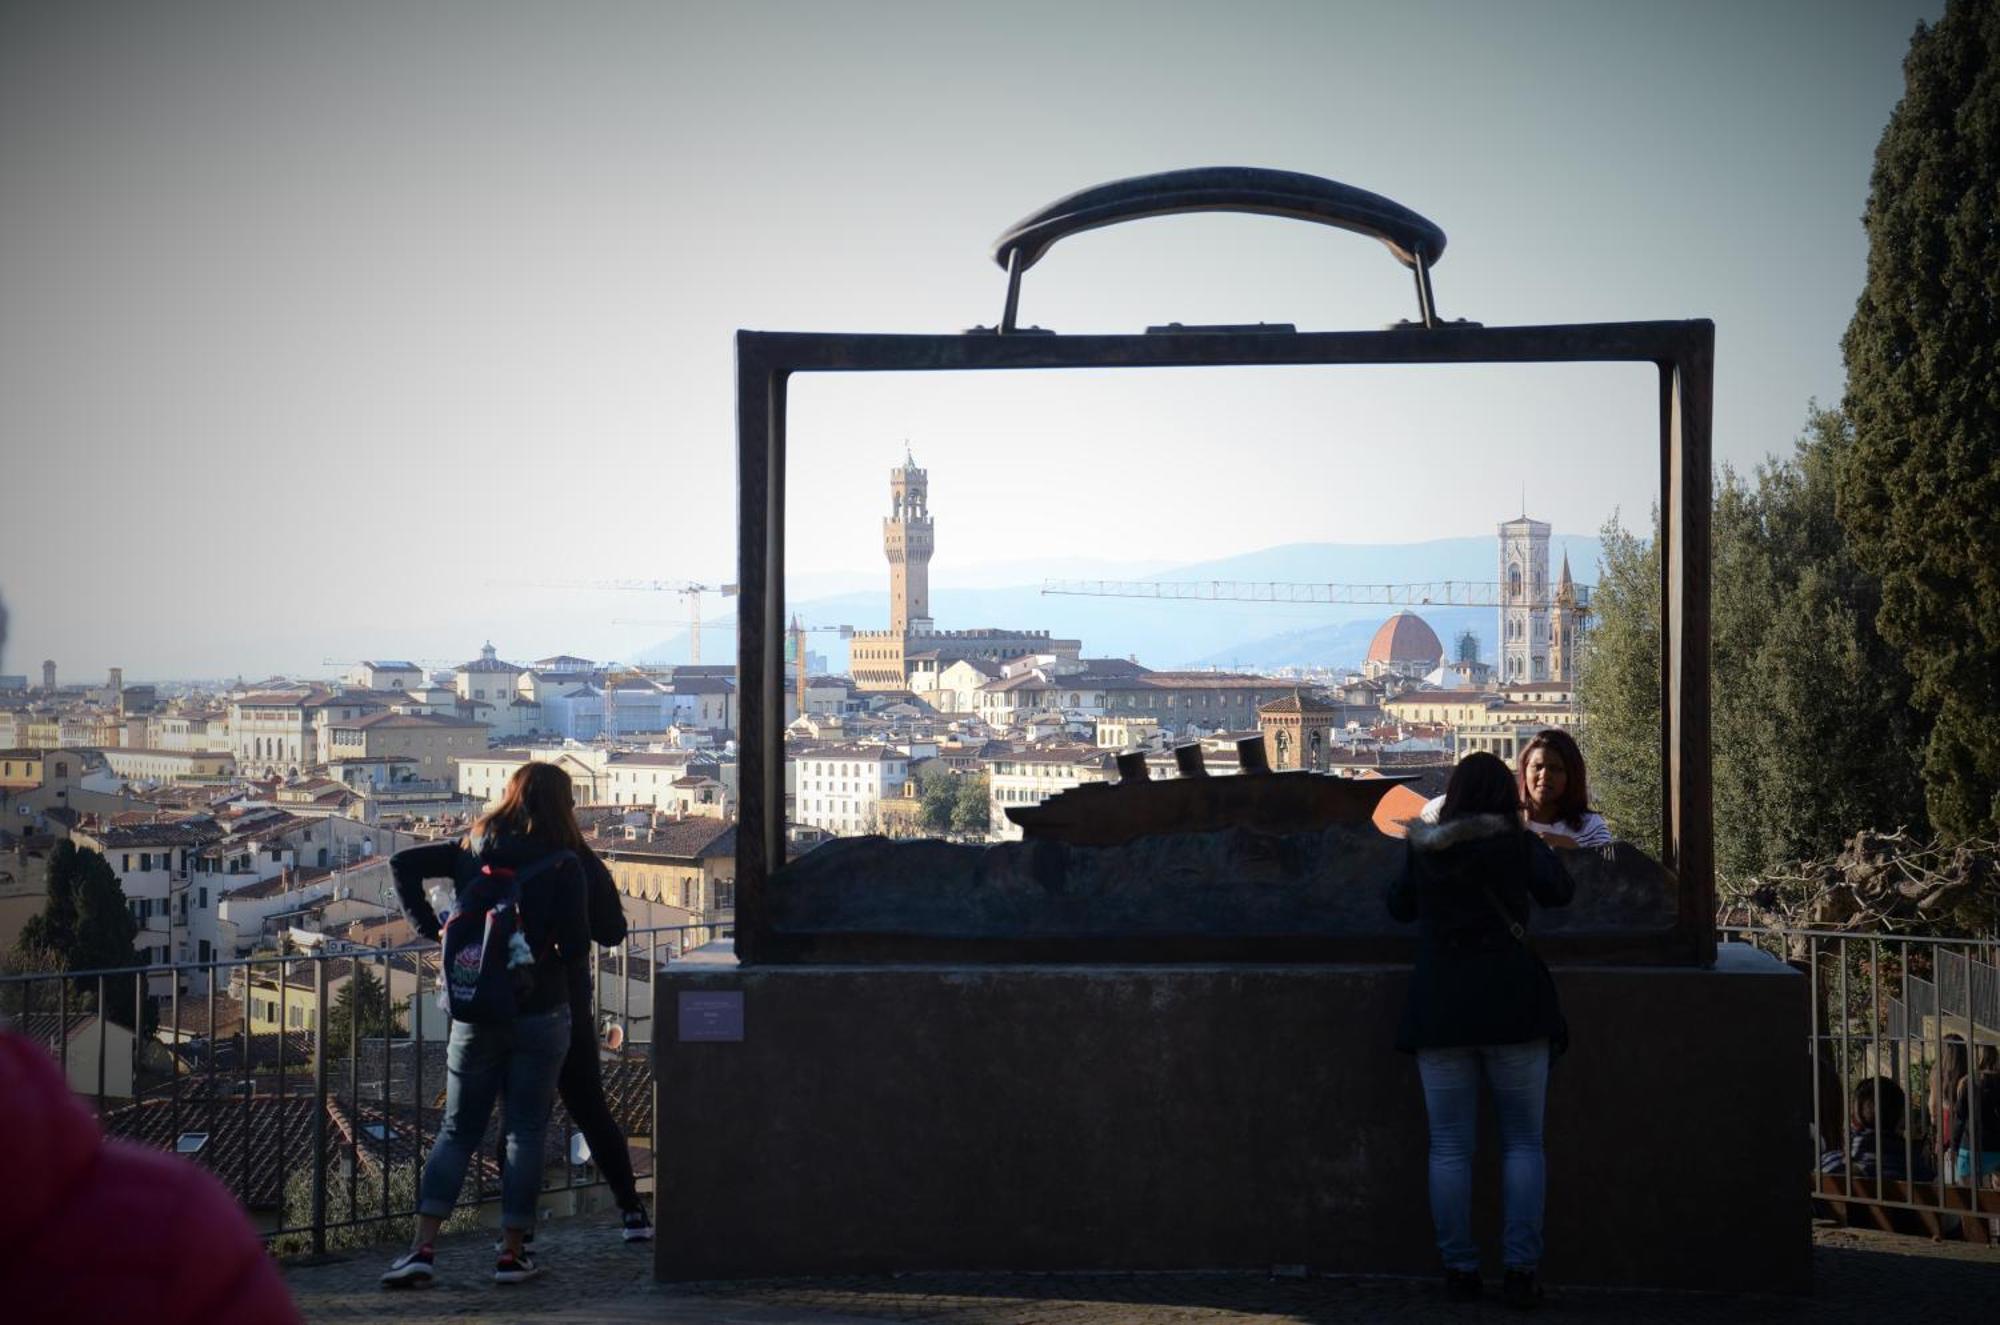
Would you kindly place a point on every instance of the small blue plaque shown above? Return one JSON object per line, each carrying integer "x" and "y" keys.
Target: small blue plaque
{"x": 711, "y": 1016}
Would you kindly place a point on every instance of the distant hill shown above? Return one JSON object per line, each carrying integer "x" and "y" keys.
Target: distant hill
{"x": 1199, "y": 634}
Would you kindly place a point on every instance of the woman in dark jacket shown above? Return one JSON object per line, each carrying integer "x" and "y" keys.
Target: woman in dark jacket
{"x": 533, "y": 833}
{"x": 1481, "y": 1003}
{"x": 581, "y": 1082}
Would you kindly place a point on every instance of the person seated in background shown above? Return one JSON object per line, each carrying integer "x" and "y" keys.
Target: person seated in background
{"x": 1977, "y": 1093}
{"x": 1876, "y": 1145}
{"x": 1555, "y": 793}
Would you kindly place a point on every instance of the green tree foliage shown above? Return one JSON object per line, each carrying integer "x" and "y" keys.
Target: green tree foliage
{"x": 1618, "y": 686}
{"x": 381, "y": 1220}
{"x": 937, "y": 793}
{"x": 363, "y": 998}
{"x": 104, "y": 924}
{"x": 1814, "y": 736}
{"x": 19, "y": 998}
{"x": 1919, "y": 491}
{"x": 969, "y": 813}
{"x": 86, "y": 925}
{"x": 54, "y": 930}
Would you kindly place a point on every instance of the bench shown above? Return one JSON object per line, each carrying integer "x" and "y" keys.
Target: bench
{"x": 1883, "y": 1204}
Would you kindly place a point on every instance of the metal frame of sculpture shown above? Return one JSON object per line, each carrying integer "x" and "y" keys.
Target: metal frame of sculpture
{"x": 1682, "y": 352}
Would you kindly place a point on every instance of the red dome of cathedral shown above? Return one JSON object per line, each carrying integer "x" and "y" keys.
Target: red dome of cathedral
{"x": 1405, "y": 639}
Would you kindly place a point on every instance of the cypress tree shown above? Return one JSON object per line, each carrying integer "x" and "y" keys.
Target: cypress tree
{"x": 1919, "y": 489}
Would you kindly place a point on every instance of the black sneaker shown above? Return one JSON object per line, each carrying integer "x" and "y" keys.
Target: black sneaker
{"x": 413, "y": 1269}
{"x": 1520, "y": 1290}
{"x": 638, "y": 1228}
{"x": 1462, "y": 1285}
{"x": 515, "y": 1267}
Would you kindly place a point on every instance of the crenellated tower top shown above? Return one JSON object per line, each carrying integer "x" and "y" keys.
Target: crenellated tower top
{"x": 907, "y": 541}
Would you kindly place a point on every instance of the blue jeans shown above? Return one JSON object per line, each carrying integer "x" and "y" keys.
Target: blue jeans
{"x": 1519, "y": 1077}
{"x": 522, "y": 1056}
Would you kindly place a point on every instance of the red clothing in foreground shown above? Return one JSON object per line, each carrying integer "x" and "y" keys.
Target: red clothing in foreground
{"x": 94, "y": 1230}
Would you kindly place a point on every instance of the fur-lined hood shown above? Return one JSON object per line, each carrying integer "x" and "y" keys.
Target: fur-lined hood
{"x": 1457, "y": 832}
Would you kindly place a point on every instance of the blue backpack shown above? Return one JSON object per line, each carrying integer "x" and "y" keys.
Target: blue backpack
{"x": 488, "y": 963}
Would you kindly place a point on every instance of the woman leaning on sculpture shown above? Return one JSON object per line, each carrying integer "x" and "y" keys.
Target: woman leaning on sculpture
{"x": 1481, "y": 1005}
{"x": 1555, "y": 793}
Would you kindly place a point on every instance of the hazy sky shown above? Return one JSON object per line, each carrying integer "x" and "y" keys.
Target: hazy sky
{"x": 325, "y": 324}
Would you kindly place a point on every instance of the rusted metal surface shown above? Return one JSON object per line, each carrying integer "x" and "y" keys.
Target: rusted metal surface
{"x": 1231, "y": 894}
{"x": 1415, "y": 241}
{"x": 1683, "y": 352}
{"x": 1106, "y": 814}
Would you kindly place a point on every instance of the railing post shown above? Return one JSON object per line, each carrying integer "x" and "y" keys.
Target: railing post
{"x": 173, "y": 1057}
{"x": 104, "y": 1041}
{"x": 62, "y": 1025}
{"x": 243, "y": 1067}
{"x": 319, "y": 1107}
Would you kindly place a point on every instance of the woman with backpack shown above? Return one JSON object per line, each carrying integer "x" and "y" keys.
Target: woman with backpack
{"x": 1481, "y": 1004}
{"x": 581, "y": 1081}
{"x": 519, "y": 920}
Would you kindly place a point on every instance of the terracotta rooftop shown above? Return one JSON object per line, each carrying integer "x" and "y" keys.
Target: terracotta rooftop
{"x": 677, "y": 839}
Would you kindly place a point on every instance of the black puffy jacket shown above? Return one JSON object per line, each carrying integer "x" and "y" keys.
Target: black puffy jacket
{"x": 554, "y": 910}
{"x": 1474, "y": 982}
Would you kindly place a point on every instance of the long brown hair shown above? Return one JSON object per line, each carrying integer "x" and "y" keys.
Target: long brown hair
{"x": 539, "y": 804}
{"x": 1575, "y": 801}
{"x": 1480, "y": 784}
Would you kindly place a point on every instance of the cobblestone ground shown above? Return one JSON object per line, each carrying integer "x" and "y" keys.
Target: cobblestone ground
{"x": 594, "y": 1277}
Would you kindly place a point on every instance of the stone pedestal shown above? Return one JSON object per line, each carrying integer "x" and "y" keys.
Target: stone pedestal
{"x": 899, "y": 1118}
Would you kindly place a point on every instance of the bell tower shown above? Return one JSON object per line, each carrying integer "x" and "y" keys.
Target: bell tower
{"x": 1565, "y": 628}
{"x": 907, "y": 542}
{"x": 1524, "y": 601}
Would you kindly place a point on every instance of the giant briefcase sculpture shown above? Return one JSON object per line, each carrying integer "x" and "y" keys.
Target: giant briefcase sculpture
{"x": 1049, "y": 900}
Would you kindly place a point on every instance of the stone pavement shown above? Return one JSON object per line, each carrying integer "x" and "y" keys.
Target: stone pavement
{"x": 595, "y": 1278}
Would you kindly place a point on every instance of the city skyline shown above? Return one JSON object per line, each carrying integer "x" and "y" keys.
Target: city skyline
{"x": 311, "y": 307}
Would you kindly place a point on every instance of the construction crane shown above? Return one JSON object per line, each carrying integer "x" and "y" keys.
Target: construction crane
{"x": 664, "y": 621}
{"x": 795, "y": 650}
{"x": 414, "y": 662}
{"x": 688, "y": 589}
{"x": 614, "y": 677}
{"x": 1433, "y": 593}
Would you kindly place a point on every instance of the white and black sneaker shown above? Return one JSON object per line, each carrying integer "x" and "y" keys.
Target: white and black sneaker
{"x": 515, "y": 1267}
{"x": 413, "y": 1269}
{"x": 638, "y": 1228}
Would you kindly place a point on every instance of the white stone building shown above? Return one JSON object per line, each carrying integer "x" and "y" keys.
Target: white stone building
{"x": 385, "y": 674}
{"x": 841, "y": 787}
{"x": 1029, "y": 777}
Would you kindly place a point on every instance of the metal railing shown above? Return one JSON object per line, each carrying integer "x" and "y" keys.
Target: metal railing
{"x": 283, "y": 1108}
{"x": 1905, "y": 1029}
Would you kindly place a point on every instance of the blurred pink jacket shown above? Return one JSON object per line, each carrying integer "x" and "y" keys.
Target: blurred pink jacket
{"x": 95, "y": 1230}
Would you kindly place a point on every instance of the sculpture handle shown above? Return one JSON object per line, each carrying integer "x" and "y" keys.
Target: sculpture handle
{"x": 1416, "y": 242}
